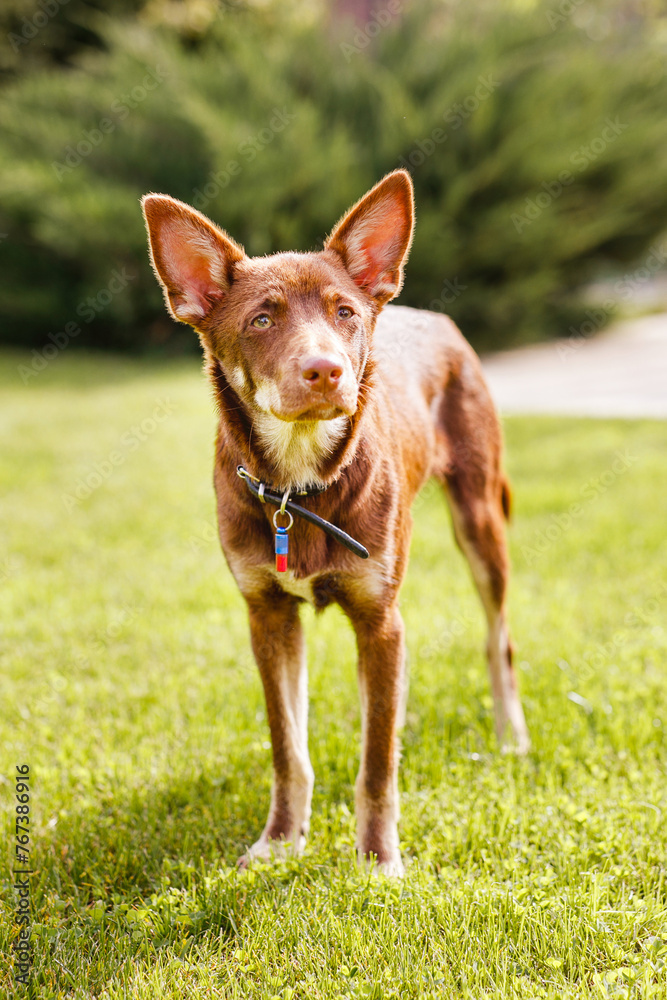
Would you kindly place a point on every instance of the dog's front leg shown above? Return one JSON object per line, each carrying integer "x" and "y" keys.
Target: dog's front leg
{"x": 383, "y": 689}
{"x": 277, "y": 643}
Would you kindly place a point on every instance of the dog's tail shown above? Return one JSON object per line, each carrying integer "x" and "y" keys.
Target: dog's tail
{"x": 506, "y": 498}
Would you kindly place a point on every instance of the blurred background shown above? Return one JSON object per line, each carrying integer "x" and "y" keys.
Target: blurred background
{"x": 535, "y": 133}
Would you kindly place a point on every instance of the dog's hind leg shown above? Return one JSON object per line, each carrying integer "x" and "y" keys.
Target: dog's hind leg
{"x": 480, "y": 534}
{"x": 478, "y": 496}
{"x": 277, "y": 642}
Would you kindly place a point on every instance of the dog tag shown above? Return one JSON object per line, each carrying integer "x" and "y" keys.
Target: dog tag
{"x": 282, "y": 548}
{"x": 282, "y": 542}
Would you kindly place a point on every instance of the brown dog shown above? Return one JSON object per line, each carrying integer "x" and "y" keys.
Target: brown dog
{"x": 319, "y": 392}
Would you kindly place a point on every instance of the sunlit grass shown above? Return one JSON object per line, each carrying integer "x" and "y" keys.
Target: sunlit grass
{"x": 129, "y": 689}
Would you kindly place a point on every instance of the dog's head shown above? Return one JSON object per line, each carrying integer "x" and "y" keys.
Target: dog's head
{"x": 291, "y": 331}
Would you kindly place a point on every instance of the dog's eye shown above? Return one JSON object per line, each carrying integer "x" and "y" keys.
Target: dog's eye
{"x": 262, "y": 322}
{"x": 344, "y": 312}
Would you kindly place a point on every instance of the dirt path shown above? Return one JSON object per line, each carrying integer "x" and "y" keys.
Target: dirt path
{"x": 621, "y": 373}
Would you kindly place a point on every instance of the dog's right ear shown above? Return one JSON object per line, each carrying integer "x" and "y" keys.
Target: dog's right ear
{"x": 192, "y": 258}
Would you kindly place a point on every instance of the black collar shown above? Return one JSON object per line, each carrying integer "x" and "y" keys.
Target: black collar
{"x": 283, "y": 500}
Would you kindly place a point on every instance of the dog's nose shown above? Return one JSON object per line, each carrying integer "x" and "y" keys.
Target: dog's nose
{"x": 322, "y": 373}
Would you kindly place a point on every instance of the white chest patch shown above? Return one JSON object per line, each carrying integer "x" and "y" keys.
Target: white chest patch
{"x": 298, "y": 447}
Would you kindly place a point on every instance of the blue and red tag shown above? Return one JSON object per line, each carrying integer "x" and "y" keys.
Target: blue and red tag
{"x": 282, "y": 548}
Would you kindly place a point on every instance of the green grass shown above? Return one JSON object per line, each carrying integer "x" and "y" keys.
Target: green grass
{"x": 128, "y": 687}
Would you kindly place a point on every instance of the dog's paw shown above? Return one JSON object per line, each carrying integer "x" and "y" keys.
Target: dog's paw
{"x": 391, "y": 869}
{"x": 519, "y": 745}
{"x": 271, "y": 851}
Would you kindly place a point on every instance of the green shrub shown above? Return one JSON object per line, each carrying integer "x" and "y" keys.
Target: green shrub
{"x": 537, "y": 155}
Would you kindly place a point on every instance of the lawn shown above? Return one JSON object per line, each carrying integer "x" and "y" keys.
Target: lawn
{"x": 128, "y": 688}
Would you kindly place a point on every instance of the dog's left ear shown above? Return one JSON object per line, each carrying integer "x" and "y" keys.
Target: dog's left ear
{"x": 374, "y": 237}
